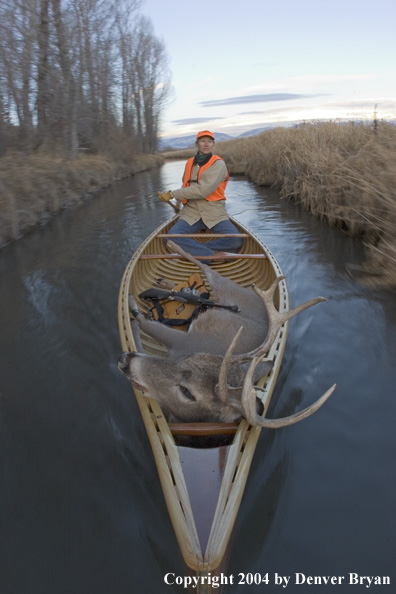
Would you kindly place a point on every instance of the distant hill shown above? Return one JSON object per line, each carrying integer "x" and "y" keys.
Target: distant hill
{"x": 183, "y": 142}
{"x": 254, "y": 132}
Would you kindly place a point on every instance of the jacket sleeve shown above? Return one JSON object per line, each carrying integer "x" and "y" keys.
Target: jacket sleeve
{"x": 208, "y": 183}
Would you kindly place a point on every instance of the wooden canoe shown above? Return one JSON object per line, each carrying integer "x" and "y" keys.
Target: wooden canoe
{"x": 203, "y": 487}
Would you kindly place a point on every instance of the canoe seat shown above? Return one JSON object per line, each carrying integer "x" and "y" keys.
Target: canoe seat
{"x": 197, "y": 429}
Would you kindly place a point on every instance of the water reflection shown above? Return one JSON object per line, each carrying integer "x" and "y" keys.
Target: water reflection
{"x": 82, "y": 510}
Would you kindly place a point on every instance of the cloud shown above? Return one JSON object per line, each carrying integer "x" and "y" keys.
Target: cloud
{"x": 275, "y": 110}
{"x": 193, "y": 121}
{"x": 334, "y": 108}
{"x": 265, "y": 98}
{"x": 254, "y": 112}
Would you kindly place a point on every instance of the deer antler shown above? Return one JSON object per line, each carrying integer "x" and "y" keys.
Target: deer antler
{"x": 275, "y": 321}
{"x": 249, "y": 404}
{"x": 222, "y": 386}
{"x": 275, "y": 318}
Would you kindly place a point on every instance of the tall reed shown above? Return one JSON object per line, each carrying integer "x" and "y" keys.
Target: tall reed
{"x": 342, "y": 173}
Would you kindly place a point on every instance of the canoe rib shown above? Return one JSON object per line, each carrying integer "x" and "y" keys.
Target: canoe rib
{"x": 139, "y": 275}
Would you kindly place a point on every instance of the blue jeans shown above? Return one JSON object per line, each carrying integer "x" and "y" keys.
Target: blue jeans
{"x": 196, "y": 248}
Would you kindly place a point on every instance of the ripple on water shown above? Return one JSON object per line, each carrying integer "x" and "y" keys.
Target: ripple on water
{"x": 80, "y": 485}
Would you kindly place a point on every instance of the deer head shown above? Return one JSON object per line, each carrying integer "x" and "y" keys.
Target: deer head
{"x": 188, "y": 389}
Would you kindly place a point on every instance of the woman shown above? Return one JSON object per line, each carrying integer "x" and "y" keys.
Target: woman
{"x": 204, "y": 181}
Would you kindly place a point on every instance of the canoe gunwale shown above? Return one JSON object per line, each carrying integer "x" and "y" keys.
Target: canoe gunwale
{"x": 164, "y": 447}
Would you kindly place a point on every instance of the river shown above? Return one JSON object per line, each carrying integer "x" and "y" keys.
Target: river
{"x": 81, "y": 507}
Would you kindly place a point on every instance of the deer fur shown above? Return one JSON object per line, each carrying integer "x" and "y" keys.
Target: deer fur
{"x": 203, "y": 378}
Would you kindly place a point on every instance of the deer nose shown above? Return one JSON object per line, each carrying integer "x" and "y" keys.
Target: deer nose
{"x": 123, "y": 360}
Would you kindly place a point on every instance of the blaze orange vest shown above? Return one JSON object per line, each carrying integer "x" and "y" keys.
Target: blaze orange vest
{"x": 218, "y": 194}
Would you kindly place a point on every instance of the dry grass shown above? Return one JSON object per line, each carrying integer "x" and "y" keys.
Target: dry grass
{"x": 32, "y": 188}
{"x": 345, "y": 174}
{"x": 180, "y": 154}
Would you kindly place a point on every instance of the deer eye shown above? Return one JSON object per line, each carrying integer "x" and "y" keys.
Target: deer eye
{"x": 186, "y": 393}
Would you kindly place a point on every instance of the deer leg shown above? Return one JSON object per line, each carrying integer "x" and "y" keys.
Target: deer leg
{"x": 165, "y": 334}
{"x": 136, "y": 335}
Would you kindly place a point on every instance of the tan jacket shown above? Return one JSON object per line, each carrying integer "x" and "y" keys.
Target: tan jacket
{"x": 197, "y": 207}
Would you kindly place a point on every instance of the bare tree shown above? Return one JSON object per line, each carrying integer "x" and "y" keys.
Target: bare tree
{"x": 150, "y": 82}
{"x": 3, "y": 128}
{"x": 80, "y": 72}
{"x": 18, "y": 27}
{"x": 67, "y": 97}
{"x": 42, "y": 75}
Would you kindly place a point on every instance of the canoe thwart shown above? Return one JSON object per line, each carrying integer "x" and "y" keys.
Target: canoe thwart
{"x": 203, "y": 235}
{"x": 213, "y": 257}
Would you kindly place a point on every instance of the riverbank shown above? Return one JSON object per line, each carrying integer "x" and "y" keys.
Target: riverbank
{"x": 344, "y": 174}
{"x": 35, "y": 187}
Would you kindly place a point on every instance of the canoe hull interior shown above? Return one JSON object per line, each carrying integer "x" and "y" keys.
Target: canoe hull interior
{"x": 203, "y": 487}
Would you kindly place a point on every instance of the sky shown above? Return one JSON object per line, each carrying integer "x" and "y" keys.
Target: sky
{"x": 238, "y": 65}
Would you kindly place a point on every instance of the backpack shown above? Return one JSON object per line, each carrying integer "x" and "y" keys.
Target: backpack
{"x": 180, "y": 306}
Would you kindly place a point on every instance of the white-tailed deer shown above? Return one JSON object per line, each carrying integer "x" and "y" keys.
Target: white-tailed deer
{"x": 211, "y": 369}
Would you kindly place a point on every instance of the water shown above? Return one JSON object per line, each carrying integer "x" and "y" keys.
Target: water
{"x": 81, "y": 507}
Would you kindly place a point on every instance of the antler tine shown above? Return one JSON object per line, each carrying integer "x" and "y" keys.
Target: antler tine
{"x": 249, "y": 404}
{"x": 275, "y": 318}
{"x": 248, "y": 399}
{"x": 222, "y": 386}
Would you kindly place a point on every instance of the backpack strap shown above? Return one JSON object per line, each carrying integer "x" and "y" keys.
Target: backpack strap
{"x": 158, "y": 308}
